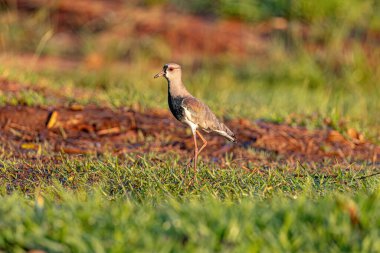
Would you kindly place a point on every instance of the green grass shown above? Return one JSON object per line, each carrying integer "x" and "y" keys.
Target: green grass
{"x": 165, "y": 175}
{"x": 110, "y": 205}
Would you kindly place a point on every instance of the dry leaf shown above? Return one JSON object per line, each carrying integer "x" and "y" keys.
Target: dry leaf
{"x": 353, "y": 133}
{"x": 109, "y": 131}
{"x": 335, "y": 136}
{"x": 73, "y": 150}
{"x": 52, "y": 119}
{"x": 76, "y": 107}
{"x": 29, "y": 145}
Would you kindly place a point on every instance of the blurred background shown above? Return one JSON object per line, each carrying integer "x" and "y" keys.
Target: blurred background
{"x": 310, "y": 63}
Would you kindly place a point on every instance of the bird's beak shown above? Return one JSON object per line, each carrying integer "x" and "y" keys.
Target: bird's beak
{"x": 159, "y": 74}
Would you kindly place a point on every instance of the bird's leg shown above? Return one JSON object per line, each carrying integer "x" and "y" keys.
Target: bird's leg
{"x": 204, "y": 142}
{"x": 195, "y": 154}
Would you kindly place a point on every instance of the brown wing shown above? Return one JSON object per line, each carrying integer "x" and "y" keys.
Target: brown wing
{"x": 200, "y": 114}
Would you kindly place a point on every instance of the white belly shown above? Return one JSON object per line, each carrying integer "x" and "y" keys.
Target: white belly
{"x": 189, "y": 122}
{"x": 192, "y": 125}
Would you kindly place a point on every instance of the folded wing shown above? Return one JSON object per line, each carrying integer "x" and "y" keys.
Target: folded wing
{"x": 200, "y": 114}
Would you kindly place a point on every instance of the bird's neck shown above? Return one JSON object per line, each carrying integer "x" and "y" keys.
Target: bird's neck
{"x": 177, "y": 89}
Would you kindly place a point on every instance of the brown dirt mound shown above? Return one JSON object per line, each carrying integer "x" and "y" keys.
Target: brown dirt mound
{"x": 35, "y": 131}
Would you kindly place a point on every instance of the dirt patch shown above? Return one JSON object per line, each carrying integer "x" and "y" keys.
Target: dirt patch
{"x": 38, "y": 131}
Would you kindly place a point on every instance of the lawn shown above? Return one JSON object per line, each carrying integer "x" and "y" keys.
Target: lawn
{"x": 139, "y": 205}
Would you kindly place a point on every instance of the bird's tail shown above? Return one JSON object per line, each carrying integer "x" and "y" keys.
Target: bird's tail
{"x": 224, "y": 131}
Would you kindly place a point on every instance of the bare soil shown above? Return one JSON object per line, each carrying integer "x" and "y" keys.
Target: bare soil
{"x": 38, "y": 131}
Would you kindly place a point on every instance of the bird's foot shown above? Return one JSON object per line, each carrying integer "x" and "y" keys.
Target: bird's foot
{"x": 189, "y": 162}
{"x": 185, "y": 176}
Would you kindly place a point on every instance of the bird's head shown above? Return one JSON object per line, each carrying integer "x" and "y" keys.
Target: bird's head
{"x": 170, "y": 71}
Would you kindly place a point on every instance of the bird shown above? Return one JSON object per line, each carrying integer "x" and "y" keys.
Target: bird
{"x": 190, "y": 110}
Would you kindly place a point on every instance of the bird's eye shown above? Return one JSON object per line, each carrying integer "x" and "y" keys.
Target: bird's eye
{"x": 170, "y": 69}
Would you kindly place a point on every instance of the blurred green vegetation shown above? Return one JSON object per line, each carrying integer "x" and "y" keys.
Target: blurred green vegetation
{"x": 351, "y": 14}
{"x": 100, "y": 225}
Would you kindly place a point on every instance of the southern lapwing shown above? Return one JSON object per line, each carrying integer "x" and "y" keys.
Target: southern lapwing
{"x": 190, "y": 110}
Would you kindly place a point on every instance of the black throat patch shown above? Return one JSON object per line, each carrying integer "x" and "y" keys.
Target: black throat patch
{"x": 175, "y": 105}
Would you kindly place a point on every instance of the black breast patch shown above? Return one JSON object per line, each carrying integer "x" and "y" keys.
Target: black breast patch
{"x": 175, "y": 105}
